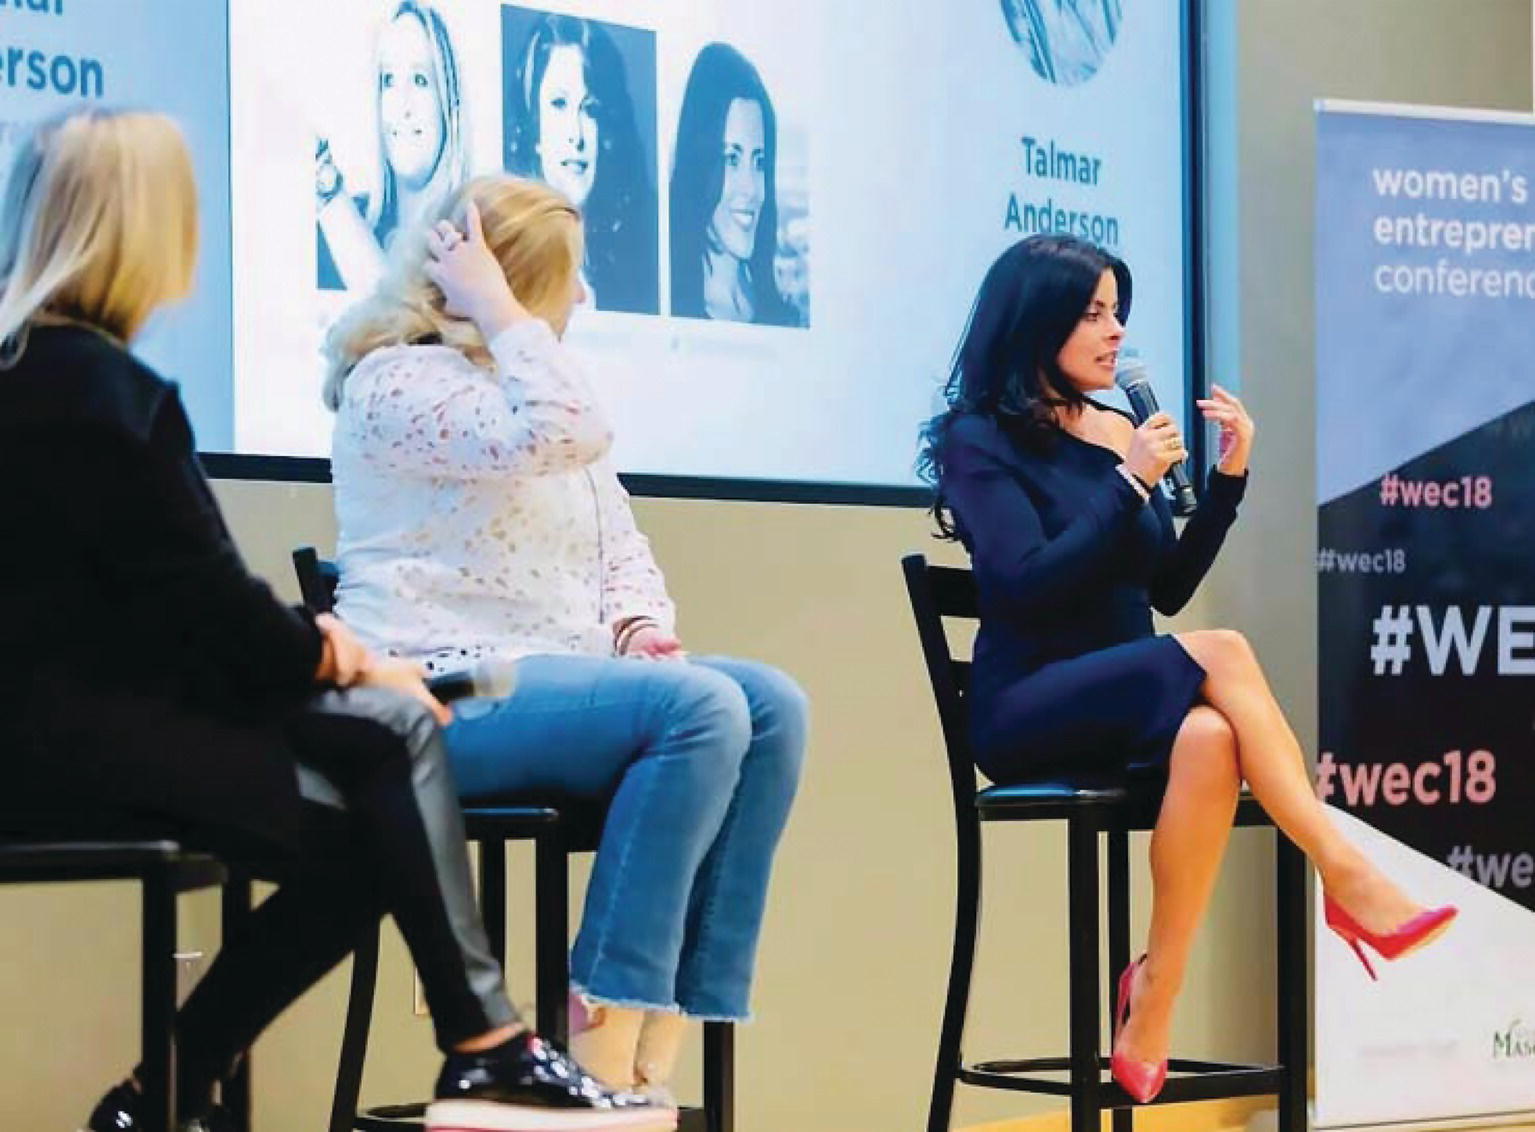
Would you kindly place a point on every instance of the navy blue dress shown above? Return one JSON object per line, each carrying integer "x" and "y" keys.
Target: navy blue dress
{"x": 1068, "y": 675}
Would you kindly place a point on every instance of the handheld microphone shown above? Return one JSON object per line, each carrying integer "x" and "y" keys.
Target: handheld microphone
{"x": 491, "y": 678}
{"x": 1132, "y": 376}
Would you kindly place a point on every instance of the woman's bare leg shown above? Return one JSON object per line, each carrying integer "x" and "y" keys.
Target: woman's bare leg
{"x": 1187, "y": 845}
{"x": 1275, "y": 769}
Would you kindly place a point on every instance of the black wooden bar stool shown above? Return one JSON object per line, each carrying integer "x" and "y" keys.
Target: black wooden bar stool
{"x": 557, "y": 827}
{"x": 1090, "y": 810}
{"x": 163, "y": 871}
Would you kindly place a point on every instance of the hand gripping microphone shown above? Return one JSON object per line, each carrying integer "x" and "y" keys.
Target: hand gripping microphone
{"x": 1132, "y": 376}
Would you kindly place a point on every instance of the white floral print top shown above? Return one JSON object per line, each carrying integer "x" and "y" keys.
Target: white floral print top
{"x": 479, "y": 515}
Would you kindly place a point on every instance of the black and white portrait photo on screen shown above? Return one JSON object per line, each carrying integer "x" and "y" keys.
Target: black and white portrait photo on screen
{"x": 580, "y": 113}
{"x": 1066, "y": 40}
{"x": 739, "y": 247}
{"x": 421, "y": 153}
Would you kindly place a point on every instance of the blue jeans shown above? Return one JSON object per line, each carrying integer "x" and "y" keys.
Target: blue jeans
{"x": 698, "y": 761}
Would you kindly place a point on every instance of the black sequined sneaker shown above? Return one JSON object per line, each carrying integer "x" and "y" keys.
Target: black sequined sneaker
{"x": 531, "y": 1085}
{"x": 122, "y": 1110}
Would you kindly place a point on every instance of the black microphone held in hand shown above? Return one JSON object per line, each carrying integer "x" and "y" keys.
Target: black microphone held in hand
{"x": 491, "y": 678}
{"x": 1134, "y": 379}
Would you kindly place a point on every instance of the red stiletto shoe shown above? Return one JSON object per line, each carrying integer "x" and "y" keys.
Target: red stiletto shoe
{"x": 1416, "y": 933}
{"x": 1141, "y": 1079}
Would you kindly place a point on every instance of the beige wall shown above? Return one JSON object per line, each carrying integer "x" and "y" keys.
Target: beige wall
{"x": 856, "y": 945}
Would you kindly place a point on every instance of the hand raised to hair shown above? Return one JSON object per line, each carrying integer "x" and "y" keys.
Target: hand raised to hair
{"x": 471, "y": 279}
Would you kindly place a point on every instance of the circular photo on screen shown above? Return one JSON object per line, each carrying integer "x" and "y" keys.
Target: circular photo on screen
{"x": 1066, "y": 40}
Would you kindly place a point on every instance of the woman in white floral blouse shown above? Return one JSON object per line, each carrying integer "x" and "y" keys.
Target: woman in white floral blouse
{"x": 480, "y": 519}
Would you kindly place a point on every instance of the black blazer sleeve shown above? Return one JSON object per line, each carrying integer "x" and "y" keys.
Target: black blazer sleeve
{"x": 1018, "y": 570}
{"x": 143, "y": 512}
{"x": 1184, "y": 566}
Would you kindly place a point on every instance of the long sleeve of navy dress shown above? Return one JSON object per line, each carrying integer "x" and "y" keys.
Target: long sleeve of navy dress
{"x": 1069, "y": 562}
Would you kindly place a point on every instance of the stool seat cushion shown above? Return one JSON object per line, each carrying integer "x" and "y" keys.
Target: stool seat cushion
{"x": 42, "y": 862}
{"x": 1027, "y": 795}
{"x": 579, "y": 822}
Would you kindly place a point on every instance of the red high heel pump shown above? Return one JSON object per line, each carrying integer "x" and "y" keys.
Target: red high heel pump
{"x": 1141, "y": 1079}
{"x": 1418, "y": 932}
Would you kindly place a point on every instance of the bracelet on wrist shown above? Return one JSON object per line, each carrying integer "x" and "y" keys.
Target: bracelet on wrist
{"x": 627, "y": 630}
{"x": 1137, "y": 485}
{"x": 328, "y": 179}
{"x": 622, "y": 626}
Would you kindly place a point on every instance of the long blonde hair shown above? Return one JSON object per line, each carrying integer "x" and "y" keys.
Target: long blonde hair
{"x": 452, "y": 168}
{"x": 533, "y": 231}
{"x": 99, "y": 224}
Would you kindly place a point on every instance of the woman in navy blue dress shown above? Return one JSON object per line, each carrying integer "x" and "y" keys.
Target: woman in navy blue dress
{"x": 1054, "y": 496}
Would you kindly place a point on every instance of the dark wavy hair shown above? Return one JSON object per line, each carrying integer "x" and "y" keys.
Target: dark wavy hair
{"x": 1006, "y": 366}
{"x": 620, "y": 213}
{"x": 720, "y": 76}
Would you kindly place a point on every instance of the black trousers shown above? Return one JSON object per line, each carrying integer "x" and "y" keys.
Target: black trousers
{"x": 382, "y": 834}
